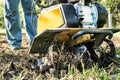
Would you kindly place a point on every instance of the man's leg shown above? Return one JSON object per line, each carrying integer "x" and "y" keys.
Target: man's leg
{"x": 12, "y": 22}
{"x": 30, "y": 18}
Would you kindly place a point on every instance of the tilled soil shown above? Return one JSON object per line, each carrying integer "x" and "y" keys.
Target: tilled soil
{"x": 15, "y": 61}
{"x": 4, "y": 46}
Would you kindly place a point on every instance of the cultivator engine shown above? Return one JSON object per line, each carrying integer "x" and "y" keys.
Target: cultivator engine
{"x": 79, "y": 27}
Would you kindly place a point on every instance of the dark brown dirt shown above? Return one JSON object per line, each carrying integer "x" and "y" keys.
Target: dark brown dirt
{"x": 15, "y": 61}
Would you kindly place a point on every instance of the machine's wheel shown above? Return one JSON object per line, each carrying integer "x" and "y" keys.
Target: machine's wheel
{"x": 105, "y": 52}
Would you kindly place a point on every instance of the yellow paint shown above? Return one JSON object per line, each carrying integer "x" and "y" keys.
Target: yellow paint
{"x": 51, "y": 18}
{"x": 66, "y": 36}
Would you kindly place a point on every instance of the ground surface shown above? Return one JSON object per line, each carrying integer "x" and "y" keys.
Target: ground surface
{"x": 21, "y": 57}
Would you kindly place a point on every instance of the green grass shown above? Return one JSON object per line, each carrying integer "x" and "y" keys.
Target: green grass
{"x": 2, "y": 31}
{"x": 1, "y": 16}
{"x": 94, "y": 73}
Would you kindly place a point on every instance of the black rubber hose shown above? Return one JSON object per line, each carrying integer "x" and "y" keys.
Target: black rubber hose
{"x": 80, "y": 33}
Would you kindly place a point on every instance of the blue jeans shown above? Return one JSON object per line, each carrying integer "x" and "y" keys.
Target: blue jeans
{"x": 12, "y": 21}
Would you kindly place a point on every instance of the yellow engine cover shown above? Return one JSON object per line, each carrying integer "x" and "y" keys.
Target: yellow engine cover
{"x": 51, "y": 18}
{"x": 58, "y": 16}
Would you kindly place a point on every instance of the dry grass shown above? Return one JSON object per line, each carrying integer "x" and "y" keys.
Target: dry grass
{"x": 16, "y": 65}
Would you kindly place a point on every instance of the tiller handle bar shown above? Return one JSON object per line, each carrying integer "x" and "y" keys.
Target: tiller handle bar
{"x": 80, "y": 33}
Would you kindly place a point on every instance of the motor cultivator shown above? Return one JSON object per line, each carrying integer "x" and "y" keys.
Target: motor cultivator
{"x": 79, "y": 27}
